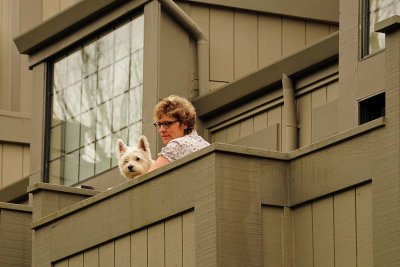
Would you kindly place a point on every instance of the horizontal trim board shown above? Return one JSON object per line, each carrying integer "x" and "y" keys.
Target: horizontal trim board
{"x": 351, "y": 185}
{"x": 65, "y": 23}
{"x": 388, "y": 25}
{"x": 15, "y": 207}
{"x": 15, "y": 127}
{"x": 60, "y": 188}
{"x": 269, "y": 77}
{"x": 16, "y": 190}
{"x": 327, "y": 11}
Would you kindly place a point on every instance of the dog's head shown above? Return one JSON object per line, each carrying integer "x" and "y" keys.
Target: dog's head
{"x": 133, "y": 161}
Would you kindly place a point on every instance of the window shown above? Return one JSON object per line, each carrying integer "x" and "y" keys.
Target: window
{"x": 374, "y": 12}
{"x": 96, "y": 98}
{"x": 372, "y": 108}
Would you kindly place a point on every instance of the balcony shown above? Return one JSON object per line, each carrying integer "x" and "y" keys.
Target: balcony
{"x": 225, "y": 205}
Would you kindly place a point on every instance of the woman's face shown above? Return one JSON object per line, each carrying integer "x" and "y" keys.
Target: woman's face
{"x": 174, "y": 130}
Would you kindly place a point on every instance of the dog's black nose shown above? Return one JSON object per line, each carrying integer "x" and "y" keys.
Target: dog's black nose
{"x": 130, "y": 168}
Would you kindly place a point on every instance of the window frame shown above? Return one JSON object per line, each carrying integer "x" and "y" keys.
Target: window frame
{"x": 365, "y": 27}
{"x": 49, "y": 71}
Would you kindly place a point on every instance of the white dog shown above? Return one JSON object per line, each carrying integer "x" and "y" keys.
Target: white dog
{"x": 134, "y": 161}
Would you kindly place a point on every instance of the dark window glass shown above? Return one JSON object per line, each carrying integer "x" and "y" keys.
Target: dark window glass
{"x": 372, "y": 108}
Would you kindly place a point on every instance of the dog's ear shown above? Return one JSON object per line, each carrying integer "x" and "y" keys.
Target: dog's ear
{"x": 143, "y": 143}
{"x": 121, "y": 148}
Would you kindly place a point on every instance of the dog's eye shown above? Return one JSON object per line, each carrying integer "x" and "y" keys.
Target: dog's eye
{"x": 126, "y": 161}
{"x": 137, "y": 158}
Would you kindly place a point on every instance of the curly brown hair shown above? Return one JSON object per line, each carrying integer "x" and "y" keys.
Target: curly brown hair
{"x": 178, "y": 107}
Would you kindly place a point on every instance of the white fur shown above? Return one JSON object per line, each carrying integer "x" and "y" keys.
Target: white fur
{"x": 134, "y": 161}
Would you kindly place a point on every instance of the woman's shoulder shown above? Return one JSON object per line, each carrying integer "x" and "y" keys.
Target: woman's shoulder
{"x": 193, "y": 137}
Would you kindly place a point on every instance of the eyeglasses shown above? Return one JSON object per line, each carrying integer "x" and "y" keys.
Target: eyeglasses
{"x": 165, "y": 124}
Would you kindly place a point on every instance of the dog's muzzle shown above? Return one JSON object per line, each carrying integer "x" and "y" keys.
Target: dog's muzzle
{"x": 131, "y": 168}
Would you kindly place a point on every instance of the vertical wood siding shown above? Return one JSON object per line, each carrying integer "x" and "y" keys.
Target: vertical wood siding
{"x": 16, "y": 16}
{"x": 251, "y": 125}
{"x": 14, "y": 163}
{"x": 243, "y": 41}
{"x": 8, "y": 53}
{"x": 169, "y": 243}
{"x": 314, "y": 98}
{"x": 333, "y": 231}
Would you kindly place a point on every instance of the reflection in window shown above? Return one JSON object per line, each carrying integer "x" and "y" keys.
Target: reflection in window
{"x": 374, "y": 12}
{"x": 96, "y": 98}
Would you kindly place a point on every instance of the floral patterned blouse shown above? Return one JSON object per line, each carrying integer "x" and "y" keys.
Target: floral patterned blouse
{"x": 183, "y": 146}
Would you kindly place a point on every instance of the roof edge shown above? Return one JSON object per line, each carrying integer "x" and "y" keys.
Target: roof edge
{"x": 65, "y": 21}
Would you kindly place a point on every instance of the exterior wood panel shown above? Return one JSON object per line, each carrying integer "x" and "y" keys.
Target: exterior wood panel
{"x": 246, "y": 127}
{"x": 123, "y": 251}
{"x": 245, "y": 43}
{"x": 293, "y": 35}
{"x": 5, "y": 54}
{"x": 345, "y": 229}
{"x": 151, "y": 69}
{"x": 303, "y": 236}
{"x": 323, "y": 233}
{"x": 315, "y": 31}
{"x": 364, "y": 226}
{"x": 318, "y": 97}
{"x": 189, "y": 241}
{"x": 139, "y": 248}
{"x": 12, "y": 163}
{"x": 15, "y": 236}
{"x": 174, "y": 47}
{"x": 16, "y": 79}
{"x": 220, "y": 136}
{"x": 76, "y": 261}
{"x": 238, "y": 243}
{"x": 260, "y": 121}
{"x": 91, "y": 258}
{"x": 221, "y": 45}
{"x": 15, "y": 59}
{"x": 107, "y": 255}
{"x": 275, "y": 117}
{"x": 63, "y": 263}
{"x": 49, "y": 8}
{"x": 332, "y": 91}
{"x": 1, "y": 165}
{"x": 272, "y": 226}
{"x": 325, "y": 121}
{"x": 173, "y": 242}
{"x": 269, "y": 39}
{"x": 156, "y": 246}
{"x": 233, "y": 133}
{"x": 26, "y": 161}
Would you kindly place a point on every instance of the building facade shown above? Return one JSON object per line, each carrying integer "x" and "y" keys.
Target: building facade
{"x": 300, "y": 102}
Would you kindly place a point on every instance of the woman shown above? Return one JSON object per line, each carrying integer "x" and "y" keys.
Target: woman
{"x": 175, "y": 120}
